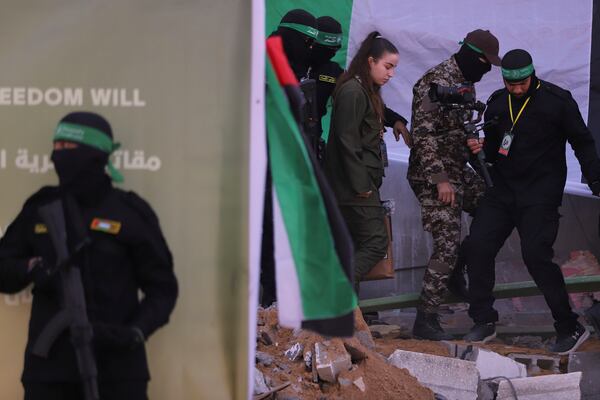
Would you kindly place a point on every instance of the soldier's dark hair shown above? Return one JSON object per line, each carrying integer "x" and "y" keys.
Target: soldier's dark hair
{"x": 373, "y": 46}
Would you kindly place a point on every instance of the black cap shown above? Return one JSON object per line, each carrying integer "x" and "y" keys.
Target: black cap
{"x": 484, "y": 42}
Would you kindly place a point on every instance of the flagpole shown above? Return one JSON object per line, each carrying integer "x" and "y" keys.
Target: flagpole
{"x": 256, "y": 178}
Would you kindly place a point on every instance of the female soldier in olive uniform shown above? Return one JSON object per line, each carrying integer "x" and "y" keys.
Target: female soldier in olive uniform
{"x": 354, "y": 164}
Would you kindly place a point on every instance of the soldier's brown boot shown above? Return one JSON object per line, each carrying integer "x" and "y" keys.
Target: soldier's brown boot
{"x": 427, "y": 326}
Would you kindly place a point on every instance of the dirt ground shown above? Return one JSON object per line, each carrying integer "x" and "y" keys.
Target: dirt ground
{"x": 379, "y": 380}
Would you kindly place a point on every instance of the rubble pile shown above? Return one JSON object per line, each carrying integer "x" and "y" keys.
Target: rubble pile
{"x": 380, "y": 362}
{"x": 302, "y": 365}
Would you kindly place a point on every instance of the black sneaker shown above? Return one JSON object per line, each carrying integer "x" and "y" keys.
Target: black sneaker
{"x": 568, "y": 343}
{"x": 481, "y": 333}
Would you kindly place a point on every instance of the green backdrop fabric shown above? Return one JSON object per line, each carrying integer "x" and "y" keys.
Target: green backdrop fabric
{"x": 341, "y": 10}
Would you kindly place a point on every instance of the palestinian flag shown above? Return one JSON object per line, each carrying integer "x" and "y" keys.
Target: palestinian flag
{"x": 313, "y": 249}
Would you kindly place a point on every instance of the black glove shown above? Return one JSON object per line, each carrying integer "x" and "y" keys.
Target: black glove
{"x": 39, "y": 272}
{"x": 117, "y": 336}
{"x": 595, "y": 188}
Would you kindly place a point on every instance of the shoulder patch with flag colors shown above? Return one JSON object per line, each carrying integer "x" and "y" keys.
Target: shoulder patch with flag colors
{"x": 327, "y": 78}
{"x": 105, "y": 225}
{"x": 40, "y": 228}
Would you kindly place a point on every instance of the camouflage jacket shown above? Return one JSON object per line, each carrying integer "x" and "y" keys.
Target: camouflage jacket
{"x": 439, "y": 153}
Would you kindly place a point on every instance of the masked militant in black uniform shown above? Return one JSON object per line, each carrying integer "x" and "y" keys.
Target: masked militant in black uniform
{"x": 115, "y": 244}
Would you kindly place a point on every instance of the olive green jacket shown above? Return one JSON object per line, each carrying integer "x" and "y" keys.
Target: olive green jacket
{"x": 353, "y": 159}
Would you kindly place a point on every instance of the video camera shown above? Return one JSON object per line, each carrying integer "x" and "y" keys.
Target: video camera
{"x": 462, "y": 98}
{"x": 455, "y": 97}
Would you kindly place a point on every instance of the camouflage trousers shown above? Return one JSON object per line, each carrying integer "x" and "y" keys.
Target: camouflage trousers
{"x": 445, "y": 224}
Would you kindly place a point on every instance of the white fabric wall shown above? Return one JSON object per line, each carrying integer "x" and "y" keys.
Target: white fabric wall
{"x": 556, "y": 33}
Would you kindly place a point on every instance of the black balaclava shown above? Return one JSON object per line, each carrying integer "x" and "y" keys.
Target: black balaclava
{"x": 296, "y": 44}
{"x": 517, "y": 65}
{"x": 320, "y": 52}
{"x": 470, "y": 65}
{"x": 81, "y": 171}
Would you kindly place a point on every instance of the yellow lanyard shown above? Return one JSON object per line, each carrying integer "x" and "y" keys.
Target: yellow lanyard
{"x": 513, "y": 119}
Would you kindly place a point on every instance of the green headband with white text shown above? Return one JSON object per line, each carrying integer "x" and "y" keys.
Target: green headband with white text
{"x": 517, "y": 74}
{"x": 307, "y": 30}
{"x": 91, "y": 137}
{"x": 329, "y": 39}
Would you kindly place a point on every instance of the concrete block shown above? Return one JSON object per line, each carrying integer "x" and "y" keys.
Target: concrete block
{"x": 589, "y": 366}
{"x": 453, "y": 378}
{"x": 547, "y": 387}
{"x": 491, "y": 365}
{"x": 331, "y": 360}
{"x": 535, "y": 362}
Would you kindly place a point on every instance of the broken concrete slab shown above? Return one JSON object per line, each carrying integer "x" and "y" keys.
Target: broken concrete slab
{"x": 589, "y": 365}
{"x": 547, "y": 387}
{"x": 491, "y": 365}
{"x": 535, "y": 362}
{"x": 295, "y": 352}
{"x": 360, "y": 384}
{"x": 264, "y": 358}
{"x": 260, "y": 385}
{"x": 453, "y": 378}
{"x": 331, "y": 359}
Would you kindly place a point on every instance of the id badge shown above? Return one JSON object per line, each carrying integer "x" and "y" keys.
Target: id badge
{"x": 506, "y": 142}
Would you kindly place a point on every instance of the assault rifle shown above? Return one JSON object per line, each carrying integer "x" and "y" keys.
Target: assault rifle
{"x": 73, "y": 313}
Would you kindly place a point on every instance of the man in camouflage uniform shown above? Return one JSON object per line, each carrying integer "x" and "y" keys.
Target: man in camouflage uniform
{"x": 438, "y": 172}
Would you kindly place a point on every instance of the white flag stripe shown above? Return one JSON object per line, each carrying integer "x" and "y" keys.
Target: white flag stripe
{"x": 289, "y": 302}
